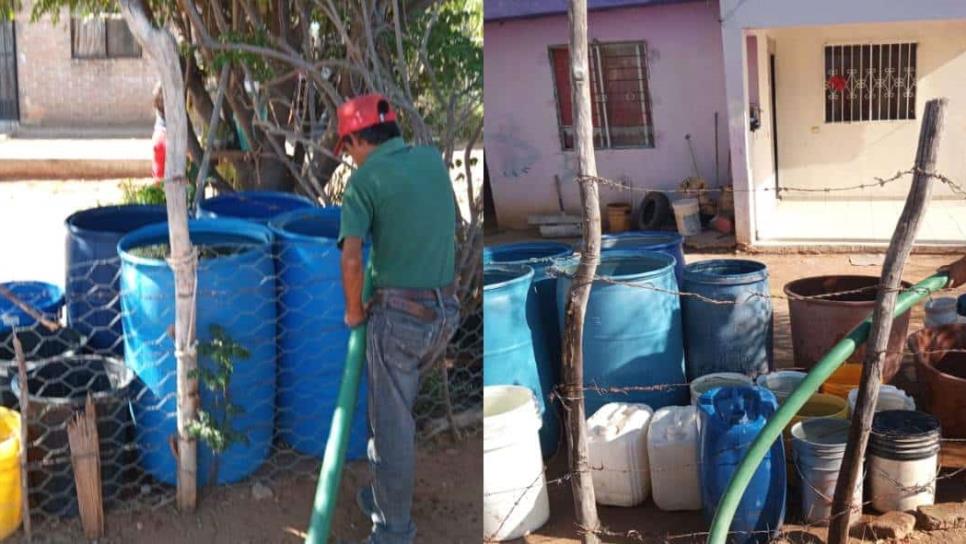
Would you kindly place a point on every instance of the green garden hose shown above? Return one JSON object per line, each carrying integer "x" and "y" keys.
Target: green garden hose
{"x": 330, "y": 475}
{"x": 728, "y": 505}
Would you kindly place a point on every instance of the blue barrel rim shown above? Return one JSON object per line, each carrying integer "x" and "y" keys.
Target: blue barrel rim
{"x": 205, "y": 205}
{"x": 553, "y": 250}
{"x": 521, "y": 274}
{"x": 704, "y": 272}
{"x": 51, "y": 306}
{"x": 668, "y": 263}
{"x": 75, "y": 226}
{"x": 767, "y": 396}
{"x": 159, "y": 231}
{"x": 279, "y": 225}
{"x": 654, "y": 237}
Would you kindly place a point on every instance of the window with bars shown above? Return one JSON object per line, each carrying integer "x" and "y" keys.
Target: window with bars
{"x": 620, "y": 101}
{"x": 102, "y": 37}
{"x": 871, "y": 82}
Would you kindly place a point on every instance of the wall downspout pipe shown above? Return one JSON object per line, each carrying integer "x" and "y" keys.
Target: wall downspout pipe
{"x": 725, "y": 512}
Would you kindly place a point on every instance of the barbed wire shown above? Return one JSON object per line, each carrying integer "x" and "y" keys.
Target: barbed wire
{"x": 878, "y": 182}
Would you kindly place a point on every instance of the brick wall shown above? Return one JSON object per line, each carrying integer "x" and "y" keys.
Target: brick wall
{"x": 59, "y": 91}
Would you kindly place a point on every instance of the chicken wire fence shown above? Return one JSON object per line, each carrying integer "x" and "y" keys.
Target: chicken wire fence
{"x": 271, "y": 347}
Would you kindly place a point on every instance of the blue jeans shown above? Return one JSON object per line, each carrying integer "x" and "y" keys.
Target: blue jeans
{"x": 398, "y": 345}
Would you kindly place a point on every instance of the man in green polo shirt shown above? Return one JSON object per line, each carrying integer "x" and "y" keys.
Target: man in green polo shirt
{"x": 401, "y": 198}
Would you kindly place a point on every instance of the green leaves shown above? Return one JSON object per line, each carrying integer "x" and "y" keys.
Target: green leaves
{"x": 214, "y": 371}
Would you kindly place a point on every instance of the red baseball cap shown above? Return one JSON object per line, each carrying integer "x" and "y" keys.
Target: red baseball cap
{"x": 360, "y": 113}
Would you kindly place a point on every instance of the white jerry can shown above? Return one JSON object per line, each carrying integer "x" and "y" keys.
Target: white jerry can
{"x": 618, "y": 453}
{"x": 673, "y": 451}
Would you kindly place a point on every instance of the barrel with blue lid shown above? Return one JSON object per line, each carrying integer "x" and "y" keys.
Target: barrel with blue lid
{"x": 93, "y": 268}
{"x": 312, "y": 335}
{"x": 236, "y": 292}
{"x": 632, "y": 330}
{"x": 730, "y": 420}
{"x": 728, "y": 325}
{"x": 670, "y": 243}
{"x": 508, "y": 353}
{"x": 257, "y": 206}
{"x": 541, "y": 317}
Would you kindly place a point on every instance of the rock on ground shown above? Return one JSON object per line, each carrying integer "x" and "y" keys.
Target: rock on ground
{"x": 892, "y": 525}
{"x": 935, "y": 517}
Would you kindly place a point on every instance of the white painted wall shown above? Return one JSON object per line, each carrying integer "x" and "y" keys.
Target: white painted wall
{"x": 937, "y": 27}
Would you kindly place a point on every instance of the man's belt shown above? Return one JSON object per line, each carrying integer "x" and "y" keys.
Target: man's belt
{"x": 408, "y": 300}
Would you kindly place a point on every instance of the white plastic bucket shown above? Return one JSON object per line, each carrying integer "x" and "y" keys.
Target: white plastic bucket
{"x": 717, "y": 379}
{"x": 818, "y": 446}
{"x": 890, "y": 398}
{"x": 903, "y": 460}
{"x": 515, "y": 501}
{"x": 781, "y": 382}
{"x": 686, "y": 216}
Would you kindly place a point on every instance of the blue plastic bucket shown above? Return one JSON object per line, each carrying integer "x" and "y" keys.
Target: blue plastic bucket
{"x": 236, "y": 291}
{"x": 257, "y": 206}
{"x": 46, "y": 298}
{"x": 312, "y": 335}
{"x": 735, "y": 336}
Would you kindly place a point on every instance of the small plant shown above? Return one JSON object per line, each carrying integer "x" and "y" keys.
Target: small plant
{"x": 215, "y": 428}
{"x": 147, "y": 193}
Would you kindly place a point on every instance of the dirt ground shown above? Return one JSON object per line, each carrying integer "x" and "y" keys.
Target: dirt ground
{"x": 447, "y": 509}
{"x": 650, "y": 525}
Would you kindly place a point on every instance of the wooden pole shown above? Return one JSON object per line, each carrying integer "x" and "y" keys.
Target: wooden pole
{"x": 899, "y": 249}
{"x": 161, "y": 46}
{"x": 585, "y": 503}
{"x": 24, "y": 434}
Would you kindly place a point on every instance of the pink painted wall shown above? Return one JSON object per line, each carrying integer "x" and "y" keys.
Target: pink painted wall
{"x": 521, "y": 136}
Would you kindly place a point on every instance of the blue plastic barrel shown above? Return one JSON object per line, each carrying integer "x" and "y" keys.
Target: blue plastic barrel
{"x": 46, "y": 298}
{"x": 632, "y": 330}
{"x": 541, "y": 317}
{"x": 731, "y": 418}
{"x": 257, "y": 206}
{"x": 93, "y": 268}
{"x": 312, "y": 336}
{"x": 508, "y": 354}
{"x": 731, "y": 337}
{"x": 236, "y": 291}
{"x": 669, "y": 243}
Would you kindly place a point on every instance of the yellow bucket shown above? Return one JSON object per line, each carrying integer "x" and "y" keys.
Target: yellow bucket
{"x": 10, "y": 501}
{"x": 843, "y": 380}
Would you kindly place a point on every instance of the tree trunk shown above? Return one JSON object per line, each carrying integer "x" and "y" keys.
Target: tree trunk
{"x": 161, "y": 47}
{"x": 573, "y": 358}
{"x": 899, "y": 249}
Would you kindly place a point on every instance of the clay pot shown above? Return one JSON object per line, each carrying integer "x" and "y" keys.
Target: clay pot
{"x": 820, "y": 323}
{"x": 942, "y": 375}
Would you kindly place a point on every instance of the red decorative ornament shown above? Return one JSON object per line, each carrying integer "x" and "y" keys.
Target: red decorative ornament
{"x": 837, "y": 83}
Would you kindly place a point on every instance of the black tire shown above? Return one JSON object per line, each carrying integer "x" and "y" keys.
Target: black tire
{"x": 654, "y": 211}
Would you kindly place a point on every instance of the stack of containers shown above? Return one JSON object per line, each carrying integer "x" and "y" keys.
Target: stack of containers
{"x": 903, "y": 460}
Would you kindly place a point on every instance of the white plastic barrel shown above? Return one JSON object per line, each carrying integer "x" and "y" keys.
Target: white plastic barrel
{"x": 686, "y": 216}
{"x": 781, "y": 382}
{"x": 717, "y": 379}
{"x": 672, "y": 449}
{"x": 515, "y": 501}
{"x": 617, "y": 443}
{"x": 890, "y": 398}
